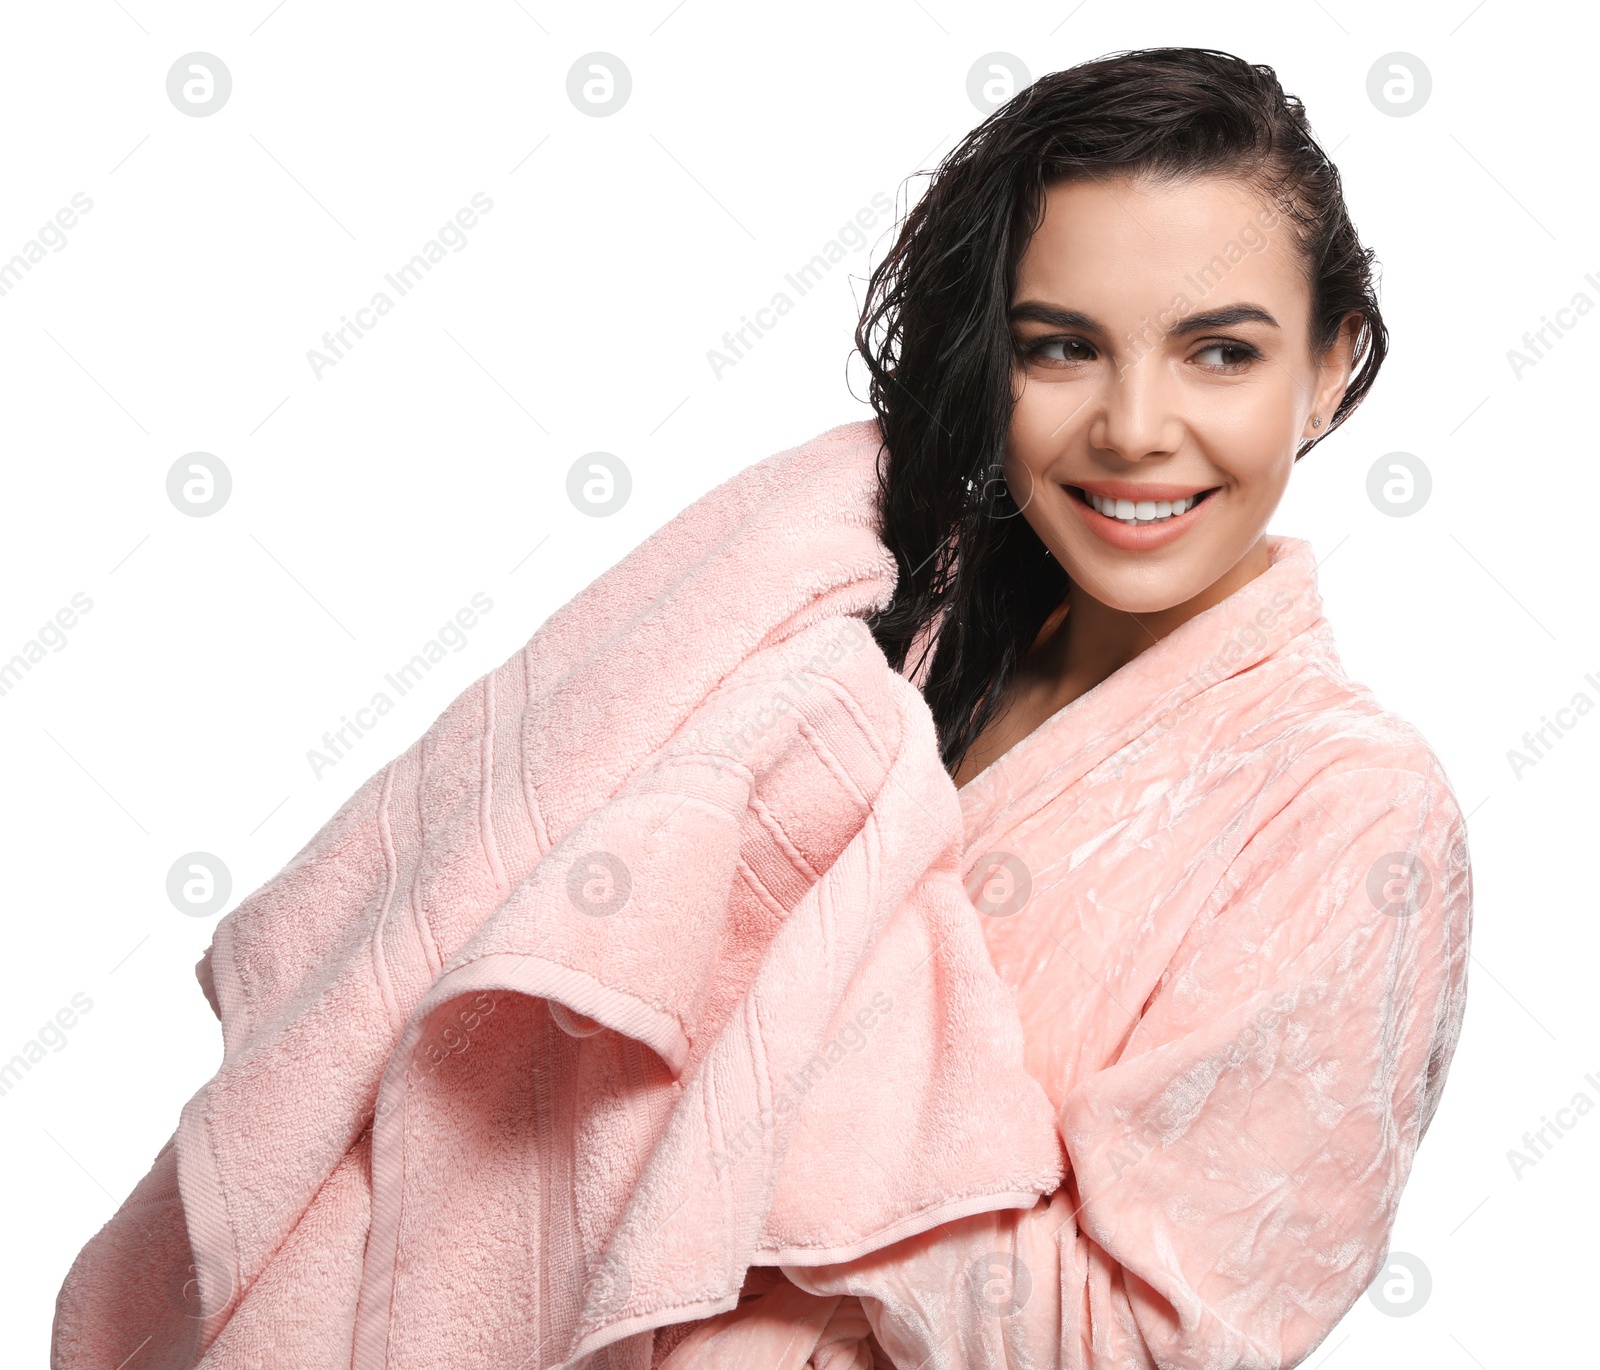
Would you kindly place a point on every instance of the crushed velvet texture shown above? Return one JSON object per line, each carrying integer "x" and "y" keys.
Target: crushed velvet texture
{"x": 1232, "y": 895}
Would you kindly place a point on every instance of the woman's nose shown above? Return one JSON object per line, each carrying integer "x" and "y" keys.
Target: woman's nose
{"x": 1136, "y": 412}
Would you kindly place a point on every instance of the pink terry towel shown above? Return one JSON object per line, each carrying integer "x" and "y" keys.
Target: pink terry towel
{"x": 1232, "y": 895}
{"x": 651, "y": 961}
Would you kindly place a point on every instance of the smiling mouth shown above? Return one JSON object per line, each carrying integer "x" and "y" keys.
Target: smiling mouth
{"x": 1137, "y": 514}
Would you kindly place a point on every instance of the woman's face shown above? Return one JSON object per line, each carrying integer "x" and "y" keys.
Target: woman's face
{"x": 1163, "y": 335}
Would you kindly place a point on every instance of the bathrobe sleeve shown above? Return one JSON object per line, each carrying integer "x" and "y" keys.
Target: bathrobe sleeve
{"x": 1235, "y": 1173}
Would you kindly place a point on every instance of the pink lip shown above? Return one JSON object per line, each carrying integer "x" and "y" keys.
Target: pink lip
{"x": 1132, "y": 537}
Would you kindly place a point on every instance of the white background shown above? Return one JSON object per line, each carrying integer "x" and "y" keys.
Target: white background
{"x": 430, "y": 463}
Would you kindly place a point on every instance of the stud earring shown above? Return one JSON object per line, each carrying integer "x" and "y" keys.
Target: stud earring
{"x": 1317, "y": 422}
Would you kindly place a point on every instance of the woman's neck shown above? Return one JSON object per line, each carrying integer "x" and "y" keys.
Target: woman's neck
{"x": 1096, "y": 639}
{"x": 1080, "y": 647}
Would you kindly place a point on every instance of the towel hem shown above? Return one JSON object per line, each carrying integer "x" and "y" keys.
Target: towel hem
{"x": 910, "y": 1226}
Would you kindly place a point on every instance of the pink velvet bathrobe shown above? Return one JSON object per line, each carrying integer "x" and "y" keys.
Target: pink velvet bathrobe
{"x": 629, "y": 985}
{"x": 1233, "y": 897}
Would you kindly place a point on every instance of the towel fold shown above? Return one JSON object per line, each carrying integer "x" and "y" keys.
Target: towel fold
{"x": 592, "y": 999}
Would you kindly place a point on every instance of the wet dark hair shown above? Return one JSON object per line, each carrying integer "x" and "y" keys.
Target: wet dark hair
{"x": 936, "y": 336}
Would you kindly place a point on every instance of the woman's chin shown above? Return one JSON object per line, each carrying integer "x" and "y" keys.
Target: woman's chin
{"x": 1141, "y": 582}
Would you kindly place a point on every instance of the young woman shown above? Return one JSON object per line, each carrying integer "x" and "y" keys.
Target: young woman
{"x": 1230, "y": 891}
{"x": 550, "y": 1035}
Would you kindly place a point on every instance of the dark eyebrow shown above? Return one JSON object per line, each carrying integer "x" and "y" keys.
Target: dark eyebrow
{"x": 1038, "y": 312}
{"x": 1221, "y": 318}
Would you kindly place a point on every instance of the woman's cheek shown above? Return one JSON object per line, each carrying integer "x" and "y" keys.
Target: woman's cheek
{"x": 1246, "y": 433}
{"x": 1041, "y": 421}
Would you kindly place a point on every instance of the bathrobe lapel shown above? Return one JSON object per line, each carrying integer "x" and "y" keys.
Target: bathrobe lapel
{"x": 1133, "y": 708}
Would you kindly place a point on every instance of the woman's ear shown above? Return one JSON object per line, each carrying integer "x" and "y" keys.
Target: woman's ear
{"x": 1335, "y": 366}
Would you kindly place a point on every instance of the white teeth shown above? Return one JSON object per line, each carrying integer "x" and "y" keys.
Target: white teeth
{"x": 1144, "y": 511}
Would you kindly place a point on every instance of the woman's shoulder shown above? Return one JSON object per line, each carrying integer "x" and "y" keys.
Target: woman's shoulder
{"x": 1340, "y": 731}
{"x": 1274, "y": 689}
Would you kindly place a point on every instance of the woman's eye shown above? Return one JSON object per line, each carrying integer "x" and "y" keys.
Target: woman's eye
{"x": 1062, "y": 350}
{"x": 1225, "y": 356}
